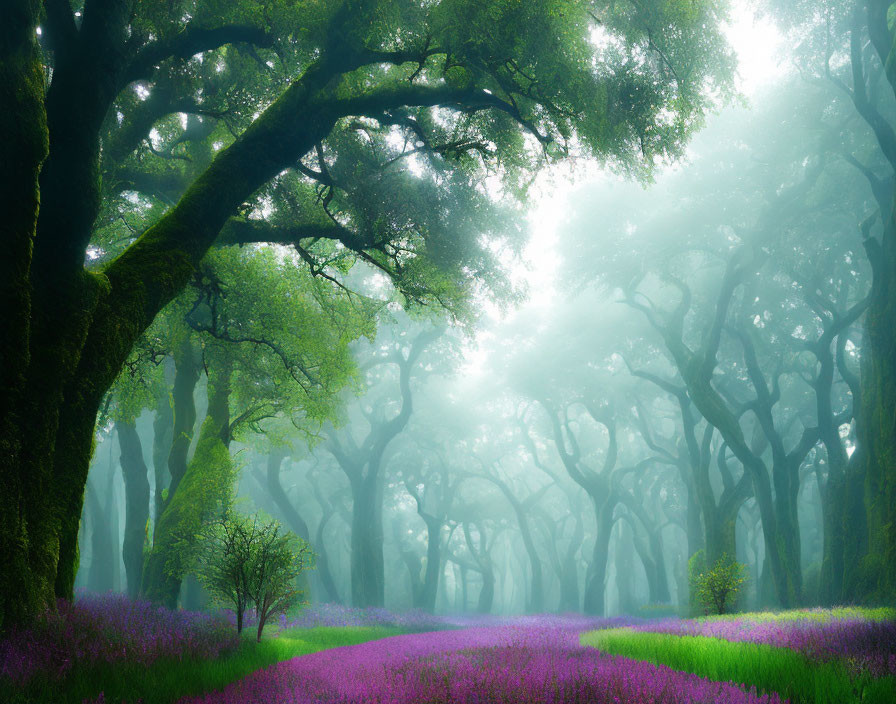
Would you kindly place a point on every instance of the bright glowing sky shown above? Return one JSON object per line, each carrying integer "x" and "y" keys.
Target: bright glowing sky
{"x": 759, "y": 48}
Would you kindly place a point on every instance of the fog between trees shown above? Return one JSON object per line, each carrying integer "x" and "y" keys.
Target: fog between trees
{"x": 347, "y": 335}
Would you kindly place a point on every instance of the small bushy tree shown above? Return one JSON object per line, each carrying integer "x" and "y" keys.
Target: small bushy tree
{"x": 278, "y": 558}
{"x": 717, "y": 587}
{"x": 246, "y": 560}
{"x": 223, "y": 560}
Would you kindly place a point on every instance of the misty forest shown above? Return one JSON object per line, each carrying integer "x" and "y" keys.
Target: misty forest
{"x": 448, "y": 351}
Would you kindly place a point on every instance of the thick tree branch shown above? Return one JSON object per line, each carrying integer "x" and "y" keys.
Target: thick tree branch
{"x": 187, "y": 43}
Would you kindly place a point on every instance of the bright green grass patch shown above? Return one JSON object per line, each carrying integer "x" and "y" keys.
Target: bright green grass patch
{"x": 814, "y": 615}
{"x": 166, "y": 680}
{"x": 764, "y": 667}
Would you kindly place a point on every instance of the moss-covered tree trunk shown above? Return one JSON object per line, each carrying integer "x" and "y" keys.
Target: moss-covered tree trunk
{"x": 873, "y": 577}
{"x": 205, "y": 486}
{"x": 876, "y": 580}
{"x": 187, "y": 369}
{"x": 27, "y": 548}
{"x": 69, "y": 331}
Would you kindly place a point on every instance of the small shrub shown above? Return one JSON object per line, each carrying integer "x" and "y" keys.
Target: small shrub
{"x": 718, "y": 587}
{"x": 246, "y": 559}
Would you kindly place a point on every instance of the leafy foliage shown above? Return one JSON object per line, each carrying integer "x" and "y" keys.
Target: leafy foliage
{"x": 718, "y": 586}
{"x": 276, "y": 559}
{"x": 246, "y": 560}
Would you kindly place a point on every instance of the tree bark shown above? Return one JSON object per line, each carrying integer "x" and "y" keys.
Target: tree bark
{"x": 136, "y": 484}
{"x": 206, "y": 484}
{"x": 875, "y": 580}
{"x": 367, "y": 567}
{"x": 433, "y": 564}
{"x": 162, "y": 440}
{"x": 28, "y": 548}
{"x": 569, "y": 570}
{"x": 595, "y": 589}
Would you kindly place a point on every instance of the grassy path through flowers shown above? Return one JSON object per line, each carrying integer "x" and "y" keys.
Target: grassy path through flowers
{"x": 538, "y": 661}
{"x": 109, "y": 649}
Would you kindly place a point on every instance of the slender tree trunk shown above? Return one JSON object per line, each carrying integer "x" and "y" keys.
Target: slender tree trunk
{"x": 163, "y": 436}
{"x": 833, "y": 521}
{"x": 694, "y": 530}
{"x": 323, "y": 563}
{"x": 855, "y": 528}
{"x": 655, "y": 542}
{"x": 595, "y": 589}
{"x": 278, "y": 494}
{"x": 293, "y": 519}
{"x": 136, "y": 485}
{"x": 367, "y": 569}
{"x": 625, "y": 577}
{"x": 186, "y": 376}
{"x": 487, "y": 592}
{"x": 262, "y": 619}
{"x": 414, "y": 566}
{"x": 569, "y": 570}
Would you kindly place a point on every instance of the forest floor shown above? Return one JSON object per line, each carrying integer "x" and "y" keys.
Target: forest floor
{"x": 105, "y": 649}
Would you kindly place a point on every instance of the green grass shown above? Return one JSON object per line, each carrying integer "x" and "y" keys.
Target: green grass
{"x": 815, "y": 615}
{"x": 767, "y": 668}
{"x": 167, "y": 680}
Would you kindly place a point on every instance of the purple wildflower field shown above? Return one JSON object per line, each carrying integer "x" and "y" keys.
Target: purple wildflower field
{"x": 536, "y": 660}
{"x": 863, "y": 643}
{"x": 110, "y": 628}
{"x": 336, "y": 615}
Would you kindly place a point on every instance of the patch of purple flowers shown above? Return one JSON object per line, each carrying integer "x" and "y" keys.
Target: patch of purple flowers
{"x": 867, "y": 645}
{"x": 336, "y": 615}
{"x": 316, "y": 615}
{"x": 110, "y": 629}
{"x": 541, "y": 662}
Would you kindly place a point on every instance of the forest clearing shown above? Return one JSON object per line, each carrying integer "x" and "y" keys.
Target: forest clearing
{"x": 448, "y": 351}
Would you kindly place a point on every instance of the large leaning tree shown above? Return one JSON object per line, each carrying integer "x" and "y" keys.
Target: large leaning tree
{"x": 159, "y": 128}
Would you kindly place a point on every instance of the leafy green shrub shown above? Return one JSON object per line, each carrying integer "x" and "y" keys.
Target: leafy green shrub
{"x": 718, "y": 587}
{"x": 245, "y": 559}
